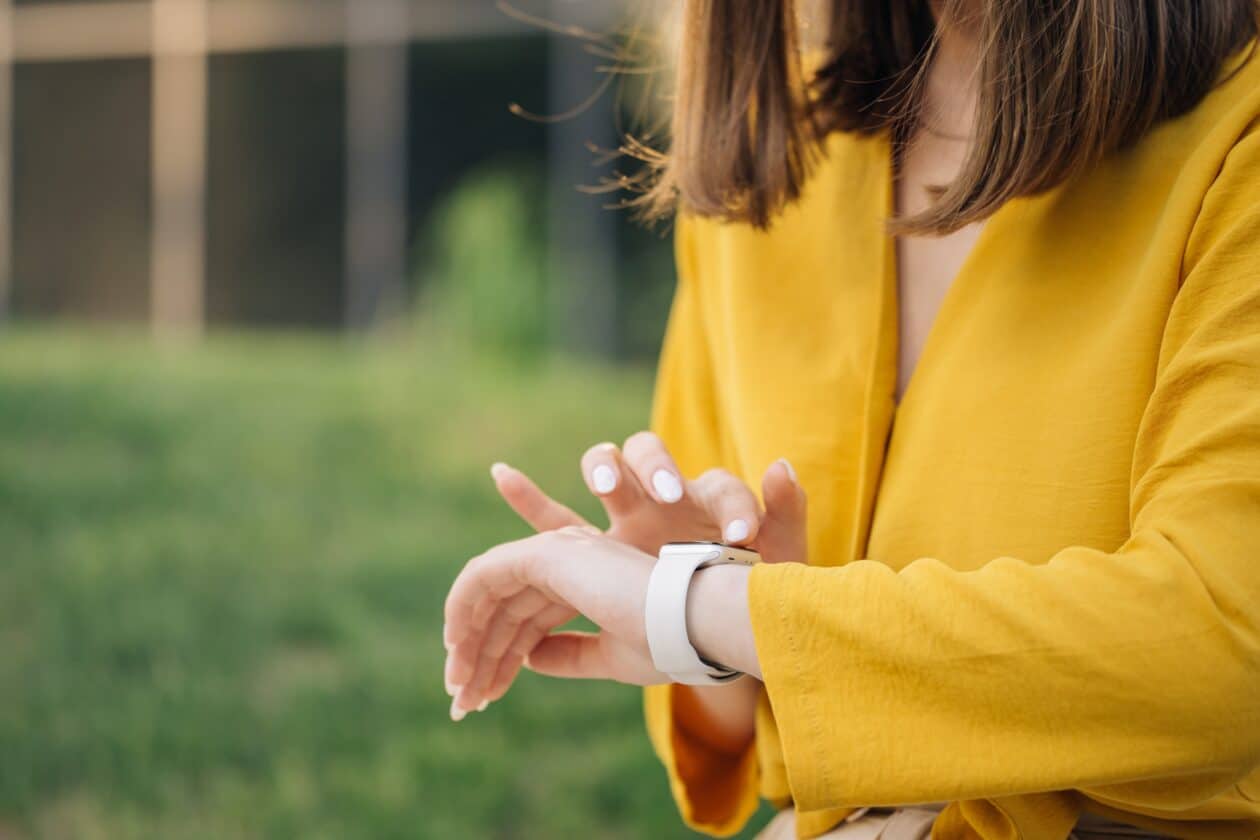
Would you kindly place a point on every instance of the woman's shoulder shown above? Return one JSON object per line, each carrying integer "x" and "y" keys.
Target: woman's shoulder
{"x": 1222, "y": 139}
{"x": 1239, "y": 84}
{"x": 1213, "y": 151}
{"x": 1197, "y": 143}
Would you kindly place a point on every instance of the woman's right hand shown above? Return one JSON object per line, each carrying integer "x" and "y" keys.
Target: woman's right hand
{"x": 649, "y": 502}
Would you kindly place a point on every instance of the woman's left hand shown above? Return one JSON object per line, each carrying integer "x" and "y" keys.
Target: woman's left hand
{"x": 505, "y": 603}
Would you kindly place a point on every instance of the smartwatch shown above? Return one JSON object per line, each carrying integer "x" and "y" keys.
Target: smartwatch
{"x": 665, "y": 612}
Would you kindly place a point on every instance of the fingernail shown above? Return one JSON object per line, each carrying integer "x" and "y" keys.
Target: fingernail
{"x": 736, "y": 530}
{"x": 667, "y": 486}
{"x": 604, "y": 479}
{"x": 787, "y": 465}
{"x": 485, "y": 704}
{"x": 497, "y": 470}
{"x": 452, "y": 687}
{"x": 457, "y": 713}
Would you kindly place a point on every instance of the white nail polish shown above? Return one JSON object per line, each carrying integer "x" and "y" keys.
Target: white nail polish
{"x": 457, "y": 713}
{"x": 452, "y": 687}
{"x": 736, "y": 530}
{"x": 604, "y": 479}
{"x": 485, "y": 704}
{"x": 787, "y": 465}
{"x": 667, "y": 486}
{"x": 497, "y": 470}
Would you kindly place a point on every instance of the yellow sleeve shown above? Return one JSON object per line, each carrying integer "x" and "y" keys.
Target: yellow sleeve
{"x": 716, "y": 792}
{"x": 1133, "y": 675}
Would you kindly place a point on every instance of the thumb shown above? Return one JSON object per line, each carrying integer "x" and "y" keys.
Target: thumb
{"x": 570, "y": 655}
{"x": 539, "y": 510}
{"x": 783, "y": 536}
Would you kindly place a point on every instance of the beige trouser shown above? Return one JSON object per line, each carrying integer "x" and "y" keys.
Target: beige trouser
{"x": 867, "y": 824}
{"x": 915, "y": 823}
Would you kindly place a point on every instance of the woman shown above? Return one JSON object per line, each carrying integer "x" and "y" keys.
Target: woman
{"x": 991, "y": 282}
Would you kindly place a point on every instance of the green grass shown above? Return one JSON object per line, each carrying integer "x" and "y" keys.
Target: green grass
{"x": 221, "y": 576}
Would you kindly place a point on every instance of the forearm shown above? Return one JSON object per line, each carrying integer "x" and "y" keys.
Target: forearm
{"x": 721, "y": 716}
{"x": 938, "y": 660}
{"x": 719, "y": 623}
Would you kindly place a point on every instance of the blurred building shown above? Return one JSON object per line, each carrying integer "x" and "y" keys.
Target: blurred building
{"x": 269, "y": 162}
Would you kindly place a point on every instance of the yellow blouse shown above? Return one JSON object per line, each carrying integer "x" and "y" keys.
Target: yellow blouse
{"x": 1034, "y": 585}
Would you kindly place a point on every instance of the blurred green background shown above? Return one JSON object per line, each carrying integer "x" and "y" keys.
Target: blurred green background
{"x": 227, "y": 524}
{"x": 221, "y": 588}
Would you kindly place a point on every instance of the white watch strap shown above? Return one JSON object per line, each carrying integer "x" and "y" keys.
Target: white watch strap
{"x": 665, "y": 615}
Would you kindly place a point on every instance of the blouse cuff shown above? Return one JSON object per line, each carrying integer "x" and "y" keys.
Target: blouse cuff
{"x": 792, "y": 687}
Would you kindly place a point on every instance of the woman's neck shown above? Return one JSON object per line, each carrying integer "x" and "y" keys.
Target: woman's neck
{"x": 952, "y": 84}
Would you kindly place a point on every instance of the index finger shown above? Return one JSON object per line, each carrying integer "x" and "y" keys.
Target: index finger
{"x": 539, "y": 510}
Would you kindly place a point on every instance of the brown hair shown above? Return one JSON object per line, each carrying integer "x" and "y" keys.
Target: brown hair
{"x": 1061, "y": 83}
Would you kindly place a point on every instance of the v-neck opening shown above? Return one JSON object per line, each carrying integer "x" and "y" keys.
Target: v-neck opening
{"x": 891, "y": 278}
{"x": 880, "y": 407}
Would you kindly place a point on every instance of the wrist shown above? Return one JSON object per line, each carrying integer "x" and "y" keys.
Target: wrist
{"x": 719, "y": 624}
